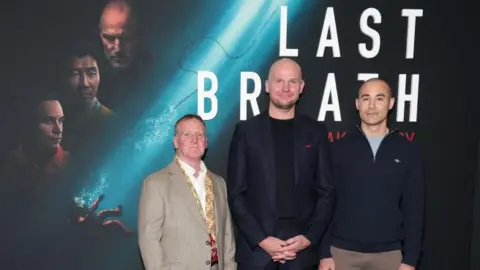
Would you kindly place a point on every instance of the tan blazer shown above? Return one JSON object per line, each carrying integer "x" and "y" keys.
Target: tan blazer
{"x": 171, "y": 231}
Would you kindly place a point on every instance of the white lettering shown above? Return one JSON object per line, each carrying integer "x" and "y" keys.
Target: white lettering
{"x": 362, "y": 47}
{"x": 412, "y": 15}
{"x": 246, "y": 97}
{"x": 329, "y": 25}
{"x": 202, "y": 94}
{"x": 366, "y": 76}
{"x": 330, "y": 91}
{"x": 404, "y": 97}
{"x": 283, "y": 50}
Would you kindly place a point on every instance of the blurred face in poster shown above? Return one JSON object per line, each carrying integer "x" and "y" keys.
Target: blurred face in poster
{"x": 49, "y": 124}
{"x": 284, "y": 84}
{"x": 117, "y": 33}
{"x": 374, "y": 101}
{"x": 84, "y": 79}
{"x": 190, "y": 140}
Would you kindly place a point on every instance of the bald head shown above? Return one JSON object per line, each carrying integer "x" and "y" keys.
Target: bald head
{"x": 117, "y": 13}
{"x": 285, "y": 64}
{"x": 376, "y": 83}
{"x": 118, "y": 32}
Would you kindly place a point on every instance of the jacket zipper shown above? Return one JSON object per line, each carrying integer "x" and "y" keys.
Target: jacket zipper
{"x": 365, "y": 136}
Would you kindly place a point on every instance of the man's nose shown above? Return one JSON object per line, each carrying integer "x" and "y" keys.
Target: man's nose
{"x": 84, "y": 82}
{"x": 57, "y": 128}
{"x": 115, "y": 45}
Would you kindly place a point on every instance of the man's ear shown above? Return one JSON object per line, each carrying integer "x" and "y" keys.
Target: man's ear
{"x": 175, "y": 141}
{"x": 392, "y": 102}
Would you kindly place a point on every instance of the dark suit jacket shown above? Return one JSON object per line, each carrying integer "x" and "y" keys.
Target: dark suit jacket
{"x": 252, "y": 184}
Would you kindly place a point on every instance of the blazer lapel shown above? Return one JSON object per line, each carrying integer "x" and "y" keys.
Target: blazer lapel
{"x": 184, "y": 192}
{"x": 218, "y": 201}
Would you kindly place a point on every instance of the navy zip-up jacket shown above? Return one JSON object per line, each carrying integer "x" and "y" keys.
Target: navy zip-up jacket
{"x": 380, "y": 201}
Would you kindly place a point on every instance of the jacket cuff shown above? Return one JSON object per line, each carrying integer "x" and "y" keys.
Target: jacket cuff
{"x": 410, "y": 260}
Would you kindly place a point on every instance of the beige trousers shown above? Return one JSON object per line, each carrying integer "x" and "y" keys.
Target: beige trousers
{"x": 351, "y": 260}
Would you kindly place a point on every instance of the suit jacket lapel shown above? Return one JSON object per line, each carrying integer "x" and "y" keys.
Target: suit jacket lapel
{"x": 183, "y": 190}
{"x": 218, "y": 201}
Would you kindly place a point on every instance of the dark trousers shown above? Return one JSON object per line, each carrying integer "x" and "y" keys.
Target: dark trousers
{"x": 286, "y": 228}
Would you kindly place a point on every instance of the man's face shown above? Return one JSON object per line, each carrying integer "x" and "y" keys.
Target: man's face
{"x": 49, "y": 124}
{"x": 190, "y": 139}
{"x": 373, "y": 102}
{"x": 84, "y": 79}
{"x": 284, "y": 85}
{"x": 118, "y": 36}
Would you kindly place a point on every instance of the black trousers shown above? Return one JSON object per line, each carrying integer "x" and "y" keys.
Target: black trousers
{"x": 286, "y": 228}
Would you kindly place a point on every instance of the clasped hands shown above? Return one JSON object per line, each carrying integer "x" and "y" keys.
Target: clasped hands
{"x": 284, "y": 250}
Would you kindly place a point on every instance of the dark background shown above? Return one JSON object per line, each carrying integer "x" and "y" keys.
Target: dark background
{"x": 445, "y": 57}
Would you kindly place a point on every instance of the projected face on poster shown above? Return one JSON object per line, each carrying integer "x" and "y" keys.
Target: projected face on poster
{"x": 84, "y": 79}
{"x": 118, "y": 34}
{"x": 49, "y": 124}
{"x": 38, "y": 156}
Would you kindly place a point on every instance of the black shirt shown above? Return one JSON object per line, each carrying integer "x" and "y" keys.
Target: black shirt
{"x": 282, "y": 135}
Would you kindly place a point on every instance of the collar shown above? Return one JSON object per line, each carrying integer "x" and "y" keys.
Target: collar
{"x": 93, "y": 109}
{"x": 94, "y": 105}
{"x": 190, "y": 170}
{"x": 389, "y": 130}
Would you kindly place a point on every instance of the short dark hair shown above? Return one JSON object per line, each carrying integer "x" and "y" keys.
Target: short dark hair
{"x": 35, "y": 98}
{"x": 81, "y": 49}
{"x": 72, "y": 50}
{"x": 188, "y": 117}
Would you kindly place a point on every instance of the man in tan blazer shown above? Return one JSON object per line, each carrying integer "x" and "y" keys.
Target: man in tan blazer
{"x": 184, "y": 220}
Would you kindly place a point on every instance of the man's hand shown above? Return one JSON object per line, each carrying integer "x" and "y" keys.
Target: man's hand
{"x": 282, "y": 257}
{"x": 406, "y": 267}
{"x": 296, "y": 244}
{"x": 326, "y": 264}
{"x": 272, "y": 245}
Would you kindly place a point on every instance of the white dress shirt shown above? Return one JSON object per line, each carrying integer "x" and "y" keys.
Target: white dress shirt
{"x": 197, "y": 182}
